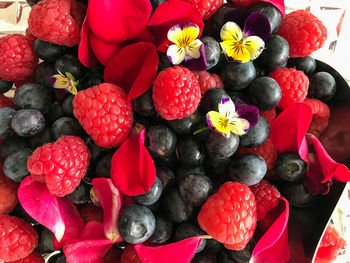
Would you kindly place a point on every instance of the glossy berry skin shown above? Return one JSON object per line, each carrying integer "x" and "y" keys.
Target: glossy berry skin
{"x": 5, "y": 85}
{"x": 144, "y": 105}
{"x": 43, "y": 72}
{"x": 175, "y": 208}
{"x": 237, "y": 76}
{"x": 153, "y": 194}
{"x": 28, "y": 122}
{"x": 18, "y": 238}
{"x": 8, "y": 194}
{"x": 296, "y": 194}
{"x": 65, "y": 126}
{"x": 212, "y": 51}
{"x": 322, "y": 86}
{"x": 265, "y": 93}
{"x": 257, "y": 135}
{"x": 189, "y": 152}
{"x": 186, "y": 230}
{"x": 229, "y": 215}
{"x": 211, "y": 99}
{"x": 103, "y": 166}
{"x": 290, "y": 167}
{"x": 81, "y": 194}
{"x": 234, "y": 256}
{"x": 15, "y": 165}
{"x": 271, "y": 12}
{"x": 6, "y": 115}
{"x": 167, "y": 177}
{"x": 48, "y": 51}
{"x": 45, "y": 244}
{"x": 67, "y": 105}
{"x": 129, "y": 255}
{"x": 136, "y": 224}
{"x": 40, "y": 139}
{"x": 219, "y": 147}
{"x": 163, "y": 231}
{"x": 70, "y": 63}
{"x": 185, "y": 125}
{"x": 11, "y": 145}
{"x": 306, "y": 64}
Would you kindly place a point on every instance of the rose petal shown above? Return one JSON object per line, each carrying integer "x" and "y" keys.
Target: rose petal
{"x": 85, "y": 53}
{"x": 197, "y": 63}
{"x": 133, "y": 68}
{"x": 257, "y": 24}
{"x": 133, "y": 171}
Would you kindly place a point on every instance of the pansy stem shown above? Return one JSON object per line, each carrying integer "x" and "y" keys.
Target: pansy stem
{"x": 201, "y": 130}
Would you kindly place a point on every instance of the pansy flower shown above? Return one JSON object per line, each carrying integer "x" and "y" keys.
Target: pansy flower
{"x": 237, "y": 119}
{"x": 65, "y": 82}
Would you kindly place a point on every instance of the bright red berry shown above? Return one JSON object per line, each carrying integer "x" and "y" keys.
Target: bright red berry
{"x": 61, "y": 165}
{"x": 176, "y": 93}
{"x": 294, "y": 85}
{"x": 105, "y": 114}
{"x": 17, "y": 57}
{"x": 90, "y": 212}
{"x": 270, "y": 218}
{"x": 229, "y": 215}
{"x": 208, "y": 81}
{"x": 269, "y": 115}
{"x": 320, "y": 116}
{"x": 32, "y": 258}
{"x": 6, "y": 102}
{"x": 206, "y": 7}
{"x": 304, "y": 32}
{"x": 18, "y": 238}
{"x": 129, "y": 255}
{"x": 8, "y": 193}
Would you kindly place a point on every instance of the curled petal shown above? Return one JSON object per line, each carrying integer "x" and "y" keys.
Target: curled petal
{"x": 193, "y": 50}
{"x": 175, "y": 54}
{"x": 218, "y": 123}
{"x": 239, "y": 126}
{"x": 231, "y": 31}
{"x": 235, "y": 51}
{"x": 85, "y": 53}
{"x": 227, "y": 108}
{"x": 257, "y": 24}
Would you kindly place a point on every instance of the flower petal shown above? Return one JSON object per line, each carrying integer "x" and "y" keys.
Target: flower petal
{"x": 193, "y": 50}
{"x": 235, "y": 51}
{"x": 190, "y": 32}
{"x": 239, "y": 126}
{"x": 248, "y": 112}
{"x": 85, "y": 53}
{"x": 257, "y": 24}
{"x": 255, "y": 45}
{"x": 175, "y": 54}
{"x": 175, "y": 34}
{"x": 227, "y": 108}
{"x": 59, "y": 82}
{"x": 216, "y": 122}
{"x": 231, "y": 31}
{"x": 196, "y": 63}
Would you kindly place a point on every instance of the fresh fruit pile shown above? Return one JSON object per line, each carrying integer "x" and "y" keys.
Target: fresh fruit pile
{"x": 161, "y": 131}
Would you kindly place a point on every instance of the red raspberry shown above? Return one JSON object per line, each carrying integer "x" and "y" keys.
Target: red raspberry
{"x": 30, "y": 35}
{"x": 18, "y": 238}
{"x": 206, "y": 7}
{"x": 244, "y": 3}
{"x": 129, "y": 255}
{"x": 17, "y": 57}
{"x": 269, "y": 115}
{"x": 320, "y": 116}
{"x": 294, "y": 85}
{"x": 266, "y": 151}
{"x": 90, "y": 212}
{"x": 270, "y": 218}
{"x": 304, "y": 32}
{"x": 113, "y": 255}
{"x": 32, "y": 258}
{"x": 229, "y": 215}
{"x": 8, "y": 193}
{"x": 266, "y": 197}
{"x": 61, "y": 164}
{"x": 208, "y": 81}
{"x": 56, "y": 21}
{"x": 105, "y": 114}
{"x": 176, "y": 93}
{"x": 6, "y": 102}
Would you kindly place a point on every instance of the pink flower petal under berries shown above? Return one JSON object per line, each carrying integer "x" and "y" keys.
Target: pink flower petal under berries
{"x": 85, "y": 53}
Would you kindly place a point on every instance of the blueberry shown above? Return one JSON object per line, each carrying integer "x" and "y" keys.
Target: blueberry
{"x": 204, "y": 257}
{"x": 290, "y": 167}
{"x": 296, "y": 194}
{"x": 160, "y": 142}
{"x": 175, "y": 208}
{"x": 28, "y": 122}
{"x": 11, "y": 145}
{"x": 45, "y": 242}
{"x": 271, "y": 12}
{"x": 212, "y": 51}
{"x": 55, "y": 112}
{"x": 306, "y": 64}
{"x": 40, "y": 138}
{"x": 92, "y": 79}
{"x": 6, "y": 115}
{"x": 186, "y": 230}
{"x": 265, "y": 93}
{"x": 189, "y": 152}
{"x": 218, "y": 146}
{"x": 185, "y": 125}
{"x": 70, "y": 63}
{"x": 96, "y": 152}
{"x": 33, "y": 96}
{"x": 211, "y": 99}
{"x": 156, "y": 3}
{"x": 103, "y": 166}
{"x": 213, "y": 245}
{"x": 182, "y": 172}
{"x": 235, "y": 256}
{"x": 248, "y": 169}
{"x": 163, "y": 231}
{"x": 152, "y": 195}
{"x": 256, "y": 135}
{"x": 164, "y": 61}
{"x": 217, "y": 165}
{"x": 167, "y": 177}
{"x": 81, "y": 194}
{"x": 48, "y": 51}
{"x": 67, "y": 105}
{"x": 195, "y": 189}
{"x": 15, "y": 165}
{"x": 5, "y": 86}
{"x": 136, "y": 224}
{"x": 32, "y": 2}
{"x": 156, "y": 207}
{"x": 43, "y": 72}
{"x": 65, "y": 126}
{"x": 144, "y": 105}
{"x": 322, "y": 86}
{"x": 237, "y": 76}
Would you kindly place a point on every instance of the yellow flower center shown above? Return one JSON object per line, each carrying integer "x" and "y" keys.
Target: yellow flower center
{"x": 224, "y": 122}
{"x": 183, "y": 42}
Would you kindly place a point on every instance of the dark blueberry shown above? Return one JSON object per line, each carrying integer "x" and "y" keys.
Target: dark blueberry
{"x": 186, "y": 230}
{"x": 70, "y": 63}
{"x": 175, "y": 208}
{"x": 189, "y": 152}
{"x": 182, "y": 172}
{"x": 61, "y": 259}
{"x": 103, "y": 166}
{"x": 212, "y": 51}
{"x": 306, "y": 64}
{"x": 65, "y": 126}
{"x": 185, "y": 125}
{"x": 167, "y": 177}
{"x": 32, "y": 2}
{"x": 67, "y": 105}
{"x": 160, "y": 141}
{"x": 217, "y": 165}
{"x": 21, "y": 213}
{"x": 211, "y": 99}
{"x": 164, "y": 61}
{"x": 235, "y": 256}
{"x": 6, "y": 115}
{"x": 48, "y": 51}
{"x": 236, "y": 95}
{"x": 5, "y": 86}
{"x": 56, "y": 112}
{"x": 11, "y": 145}
{"x": 257, "y": 135}
{"x": 92, "y": 79}
{"x": 201, "y": 130}
{"x": 28, "y": 122}
{"x": 218, "y": 146}
{"x": 290, "y": 167}
{"x": 136, "y": 224}
{"x": 195, "y": 189}
{"x": 152, "y": 195}
{"x": 33, "y": 96}
{"x": 271, "y": 12}
{"x": 237, "y": 76}
{"x": 96, "y": 152}
{"x": 156, "y": 207}
{"x": 296, "y": 194}
{"x": 45, "y": 242}
{"x": 248, "y": 169}
{"x": 204, "y": 257}
{"x": 265, "y": 93}
{"x": 40, "y": 138}
{"x": 213, "y": 245}
{"x": 144, "y": 104}
{"x": 322, "y": 86}
{"x": 163, "y": 231}
{"x": 43, "y": 72}
{"x": 15, "y": 165}
{"x": 171, "y": 161}
{"x": 156, "y": 3}
{"x": 275, "y": 54}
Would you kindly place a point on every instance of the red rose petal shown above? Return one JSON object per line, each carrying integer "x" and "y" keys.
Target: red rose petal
{"x": 169, "y": 14}
{"x": 85, "y": 53}
{"x": 179, "y": 252}
{"x": 56, "y": 213}
{"x": 279, "y": 4}
{"x": 288, "y": 130}
{"x": 133, "y": 68}
{"x": 273, "y": 246}
{"x": 133, "y": 171}
{"x": 111, "y": 201}
{"x": 118, "y": 20}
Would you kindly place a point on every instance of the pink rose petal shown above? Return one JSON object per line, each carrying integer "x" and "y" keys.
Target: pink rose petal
{"x": 85, "y": 53}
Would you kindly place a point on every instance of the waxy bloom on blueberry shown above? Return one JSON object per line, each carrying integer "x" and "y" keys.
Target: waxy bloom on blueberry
{"x": 60, "y": 81}
{"x": 237, "y": 119}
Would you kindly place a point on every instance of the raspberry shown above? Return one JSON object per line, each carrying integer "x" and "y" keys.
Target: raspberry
{"x": 176, "y": 93}
{"x": 320, "y": 116}
{"x": 61, "y": 164}
{"x": 8, "y": 193}
{"x": 267, "y": 151}
{"x": 206, "y": 7}
{"x": 229, "y": 215}
{"x": 304, "y": 32}
{"x": 17, "y": 57}
{"x": 6, "y": 102}
{"x": 105, "y": 114}
{"x": 129, "y": 255}
{"x": 270, "y": 218}
{"x": 294, "y": 85}
{"x": 32, "y": 258}
{"x": 18, "y": 238}
{"x": 269, "y": 115}
{"x": 208, "y": 81}
{"x": 90, "y": 212}
{"x": 56, "y": 21}
{"x": 30, "y": 35}
{"x": 266, "y": 197}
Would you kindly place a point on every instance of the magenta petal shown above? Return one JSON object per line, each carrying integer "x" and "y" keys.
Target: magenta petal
{"x": 56, "y": 213}
{"x": 248, "y": 112}
{"x": 180, "y": 252}
{"x": 273, "y": 246}
{"x": 279, "y": 4}
{"x": 257, "y": 24}
{"x": 111, "y": 201}
{"x": 85, "y": 53}
{"x": 196, "y": 63}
